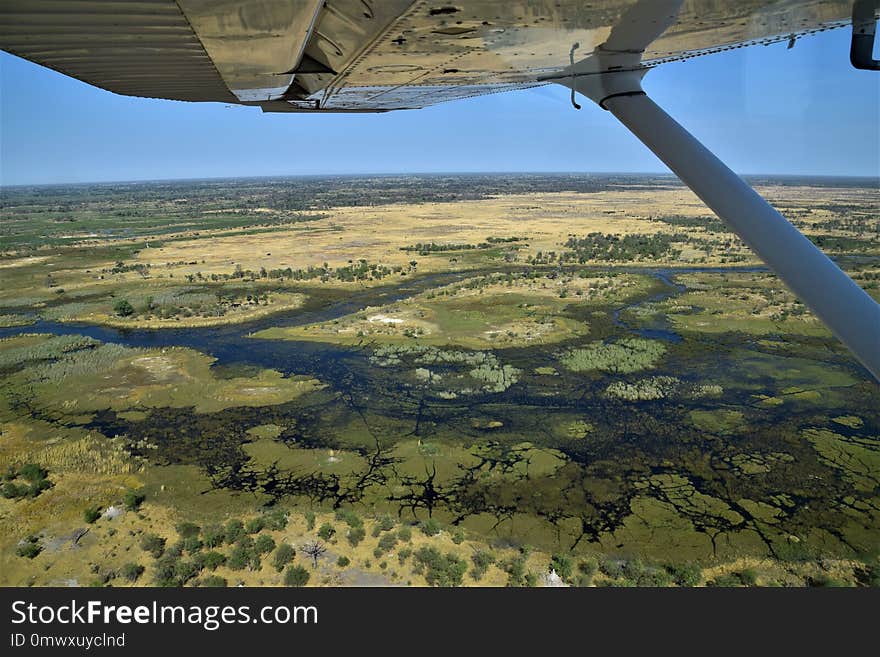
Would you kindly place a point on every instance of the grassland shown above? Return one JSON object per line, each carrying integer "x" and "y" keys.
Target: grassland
{"x": 592, "y": 379}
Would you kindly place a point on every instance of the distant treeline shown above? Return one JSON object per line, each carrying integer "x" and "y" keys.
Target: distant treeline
{"x": 618, "y": 248}
{"x": 432, "y": 247}
{"x": 356, "y": 271}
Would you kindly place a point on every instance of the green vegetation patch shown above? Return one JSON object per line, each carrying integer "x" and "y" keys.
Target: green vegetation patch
{"x": 620, "y": 357}
{"x": 858, "y": 458}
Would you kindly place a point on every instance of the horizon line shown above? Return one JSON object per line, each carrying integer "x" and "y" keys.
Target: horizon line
{"x": 380, "y": 174}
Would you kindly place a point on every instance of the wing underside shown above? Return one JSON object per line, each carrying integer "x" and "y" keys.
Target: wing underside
{"x": 363, "y": 55}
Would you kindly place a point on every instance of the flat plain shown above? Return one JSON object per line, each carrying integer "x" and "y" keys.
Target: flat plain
{"x": 441, "y": 380}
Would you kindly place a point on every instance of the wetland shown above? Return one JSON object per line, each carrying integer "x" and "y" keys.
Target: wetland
{"x": 548, "y": 370}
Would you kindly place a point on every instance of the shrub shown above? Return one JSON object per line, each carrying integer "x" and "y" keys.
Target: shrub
{"x": 561, "y": 563}
{"x": 726, "y": 580}
{"x": 29, "y": 548}
{"x": 687, "y": 574}
{"x": 123, "y": 308}
{"x": 482, "y": 560}
{"x": 153, "y": 544}
{"x": 32, "y": 472}
{"x": 343, "y": 561}
{"x": 214, "y": 581}
{"x": 387, "y": 542}
{"x": 234, "y": 531}
{"x": 749, "y": 577}
{"x": 516, "y": 571}
{"x": 283, "y": 556}
{"x": 823, "y": 580}
{"x": 275, "y": 520}
{"x": 254, "y": 526}
{"x": 430, "y": 527}
{"x": 356, "y": 535}
{"x": 458, "y": 537}
{"x": 588, "y": 567}
{"x": 211, "y": 560}
{"x": 405, "y": 534}
{"x": 175, "y": 550}
{"x": 239, "y": 558}
{"x": 385, "y": 523}
{"x": 188, "y": 530}
{"x": 350, "y": 518}
{"x": 213, "y": 536}
{"x": 326, "y": 531}
{"x": 192, "y": 545}
{"x": 131, "y": 571}
{"x": 38, "y": 487}
{"x": 612, "y": 567}
{"x": 133, "y": 499}
{"x": 91, "y": 514}
{"x": 264, "y": 544}
{"x": 403, "y": 554}
{"x": 185, "y": 571}
{"x": 440, "y": 569}
{"x": 296, "y": 576}
{"x": 310, "y": 520}
{"x": 13, "y": 491}
{"x": 164, "y": 571}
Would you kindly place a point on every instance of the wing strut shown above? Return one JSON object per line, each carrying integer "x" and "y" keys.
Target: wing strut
{"x": 852, "y": 315}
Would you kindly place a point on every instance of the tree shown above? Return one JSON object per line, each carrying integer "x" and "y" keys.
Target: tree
{"x": 210, "y": 560}
{"x": 296, "y": 576}
{"x": 315, "y": 549}
{"x": 439, "y": 569}
{"x": 214, "y": 535}
{"x": 153, "y": 544}
{"x": 326, "y": 531}
{"x": 123, "y": 308}
{"x": 283, "y": 556}
{"x": 264, "y": 544}
{"x": 234, "y": 531}
{"x": 239, "y": 558}
{"x": 131, "y": 571}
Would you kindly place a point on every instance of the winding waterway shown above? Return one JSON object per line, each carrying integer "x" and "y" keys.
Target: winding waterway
{"x": 233, "y": 344}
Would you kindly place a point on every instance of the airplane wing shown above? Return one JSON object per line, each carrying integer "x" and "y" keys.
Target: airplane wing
{"x": 380, "y": 55}
{"x": 364, "y": 55}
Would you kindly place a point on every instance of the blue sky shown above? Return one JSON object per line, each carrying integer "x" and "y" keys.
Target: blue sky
{"x": 764, "y": 109}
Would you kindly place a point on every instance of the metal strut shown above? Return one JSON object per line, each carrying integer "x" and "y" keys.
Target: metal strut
{"x": 851, "y": 314}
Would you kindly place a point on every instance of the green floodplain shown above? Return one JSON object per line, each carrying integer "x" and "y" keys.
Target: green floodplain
{"x": 614, "y": 418}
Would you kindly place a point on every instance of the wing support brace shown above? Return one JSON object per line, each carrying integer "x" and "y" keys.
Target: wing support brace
{"x": 852, "y": 315}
